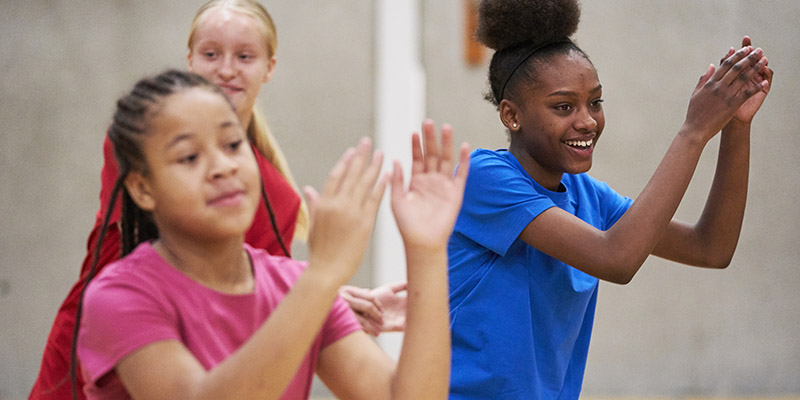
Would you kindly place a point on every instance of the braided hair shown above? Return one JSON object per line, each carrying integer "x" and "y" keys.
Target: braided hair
{"x": 524, "y": 35}
{"x": 131, "y": 121}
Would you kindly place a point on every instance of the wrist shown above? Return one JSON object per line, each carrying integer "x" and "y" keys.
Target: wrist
{"x": 693, "y": 137}
{"x": 325, "y": 276}
{"x": 738, "y": 124}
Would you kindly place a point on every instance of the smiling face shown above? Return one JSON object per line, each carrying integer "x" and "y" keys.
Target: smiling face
{"x": 559, "y": 119}
{"x": 230, "y": 49}
{"x": 202, "y": 180}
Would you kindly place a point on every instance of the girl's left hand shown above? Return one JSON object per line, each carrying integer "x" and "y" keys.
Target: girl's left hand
{"x": 427, "y": 210}
{"x": 748, "y": 110}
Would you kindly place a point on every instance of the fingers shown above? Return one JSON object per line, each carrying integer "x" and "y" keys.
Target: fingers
{"x": 417, "y": 158}
{"x": 430, "y": 146}
{"x": 741, "y": 72}
{"x": 397, "y": 286}
{"x": 333, "y": 183}
{"x": 356, "y": 174}
{"x": 746, "y": 41}
{"x": 732, "y": 63}
{"x": 356, "y": 167}
{"x": 463, "y": 166}
{"x": 397, "y": 180}
{"x": 433, "y": 158}
{"x": 446, "y": 157}
{"x": 369, "y": 326}
{"x": 312, "y": 197}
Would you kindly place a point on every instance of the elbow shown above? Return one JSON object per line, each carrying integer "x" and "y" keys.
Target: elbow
{"x": 621, "y": 278}
{"x": 624, "y": 269}
{"x": 719, "y": 262}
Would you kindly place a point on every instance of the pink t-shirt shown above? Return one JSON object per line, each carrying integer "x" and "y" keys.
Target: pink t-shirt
{"x": 141, "y": 299}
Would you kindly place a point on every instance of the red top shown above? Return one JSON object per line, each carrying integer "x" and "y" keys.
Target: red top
{"x": 53, "y": 381}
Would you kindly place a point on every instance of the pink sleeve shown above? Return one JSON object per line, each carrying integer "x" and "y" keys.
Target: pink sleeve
{"x": 118, "y": 318}
{"x": 340, "y": 323}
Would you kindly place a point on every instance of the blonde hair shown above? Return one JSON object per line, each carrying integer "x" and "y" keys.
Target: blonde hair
{"x": 258, "y": 132}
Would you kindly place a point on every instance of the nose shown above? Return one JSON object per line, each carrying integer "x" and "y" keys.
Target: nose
{"x": 227, "y": 68}
{"x": 222, "y": 165}
{"x": 585, "y": 120}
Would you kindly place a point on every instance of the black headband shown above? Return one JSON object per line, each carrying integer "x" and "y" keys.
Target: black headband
{"x": 525, "y": 58}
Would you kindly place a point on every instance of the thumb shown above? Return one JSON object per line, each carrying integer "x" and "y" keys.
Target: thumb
{"x": 706, "y": 76}
{"x": 312, "y": 197}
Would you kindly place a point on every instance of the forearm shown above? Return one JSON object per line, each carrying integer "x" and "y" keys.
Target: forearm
{"x": 635, "y": 235}
{"x": 267, "y": 362}
{"x": 423, "y": 370}
{"x": 721, "y": 221}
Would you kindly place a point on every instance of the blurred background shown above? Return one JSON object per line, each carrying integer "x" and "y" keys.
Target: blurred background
{"x": 353, "y": 68}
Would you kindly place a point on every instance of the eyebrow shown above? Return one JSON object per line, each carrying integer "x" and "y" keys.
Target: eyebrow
{"x": 571, "y": 93}
{"x": 188, "y": 135}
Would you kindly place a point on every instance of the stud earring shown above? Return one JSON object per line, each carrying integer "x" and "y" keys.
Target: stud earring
{"x": 514, "y": 125}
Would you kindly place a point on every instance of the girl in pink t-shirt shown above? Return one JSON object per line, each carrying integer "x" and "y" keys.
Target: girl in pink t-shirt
{"x": 191, "y": 311}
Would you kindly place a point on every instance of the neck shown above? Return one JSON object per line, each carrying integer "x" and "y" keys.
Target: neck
{"x": 245, "y": 119}
{"x": 222, "y": 265}
{"x": 548, "y": 180}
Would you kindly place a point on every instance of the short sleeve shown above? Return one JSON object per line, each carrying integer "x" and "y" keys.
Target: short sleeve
{"x": 613, "y": 204}
{"x": 341, "y": 322}
{"x": 499, "y": 201}
{"x": 118, "y": 318}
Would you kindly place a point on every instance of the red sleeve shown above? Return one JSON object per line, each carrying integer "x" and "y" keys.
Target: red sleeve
{"x": 285, "y": 204}
{"x": 108, "y": 176}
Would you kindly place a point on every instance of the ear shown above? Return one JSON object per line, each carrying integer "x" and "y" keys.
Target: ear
{"x": 189, "y": 61}
{"x": 270, "y": 69}
{"x": 509, "y": 115}
{"x": 138, "y": 187}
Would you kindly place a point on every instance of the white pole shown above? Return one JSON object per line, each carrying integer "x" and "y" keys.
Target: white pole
{"x": 399, "y": 110}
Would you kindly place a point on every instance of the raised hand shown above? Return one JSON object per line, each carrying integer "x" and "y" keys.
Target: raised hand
{"x": 748, "y": 110}
{"x": 722, "y": 91}
{"x": 343, "y": 215}
{"x": 427, "y": 210}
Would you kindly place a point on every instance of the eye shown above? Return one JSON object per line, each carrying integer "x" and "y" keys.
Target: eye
{"x": 245, "y": 57}
{"x": 188, "y": 160}
{"x": 597, "y": 103}
{"x": 563, "y": 107}
{"x": 236, "y": 145}
{"x": 209, "y": 54}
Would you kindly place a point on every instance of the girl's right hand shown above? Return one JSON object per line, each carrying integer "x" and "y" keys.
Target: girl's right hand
{"x": 343, "y": 215}
{"x": 720, "y": 93}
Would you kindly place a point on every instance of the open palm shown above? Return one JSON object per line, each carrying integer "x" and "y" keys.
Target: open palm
{"x": 427, "y": 210}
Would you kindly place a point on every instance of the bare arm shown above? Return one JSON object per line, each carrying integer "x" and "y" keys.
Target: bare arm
{"x": 712, "y": 241}
{"x": 425, "y": 214}
{"x": 342, "y": 218}
{"x": 616, "y": 255}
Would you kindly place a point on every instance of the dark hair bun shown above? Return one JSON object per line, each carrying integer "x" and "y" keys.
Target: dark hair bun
{"x": 506, "y": 23}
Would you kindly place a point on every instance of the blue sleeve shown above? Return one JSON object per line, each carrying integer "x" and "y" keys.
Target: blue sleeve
{"x": 499, "y": 202}
{"x": 614, "y": 205}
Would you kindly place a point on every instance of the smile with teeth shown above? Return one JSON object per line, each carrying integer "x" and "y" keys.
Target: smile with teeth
{"x": 579, "y": 143}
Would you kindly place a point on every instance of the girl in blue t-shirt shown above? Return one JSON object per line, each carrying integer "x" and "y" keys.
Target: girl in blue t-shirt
{"x": 535, "y": 233}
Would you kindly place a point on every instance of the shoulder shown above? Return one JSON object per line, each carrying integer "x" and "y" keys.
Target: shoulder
{"x": 275, "y": 270}
{"x": 136, "y": 273}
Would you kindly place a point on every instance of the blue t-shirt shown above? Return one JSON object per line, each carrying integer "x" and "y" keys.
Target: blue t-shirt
{"x": 520, "y": 319}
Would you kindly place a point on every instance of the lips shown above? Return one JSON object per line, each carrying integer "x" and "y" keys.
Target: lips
{"x": 228, "y": 198}
{"x": 229, "y": 89}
